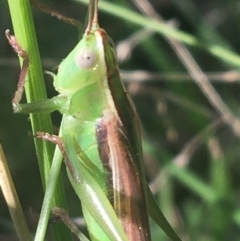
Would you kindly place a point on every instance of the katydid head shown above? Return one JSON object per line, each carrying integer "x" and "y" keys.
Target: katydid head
{"x": 86, "y": 64}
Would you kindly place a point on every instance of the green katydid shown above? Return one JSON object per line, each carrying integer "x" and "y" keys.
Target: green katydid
{"x": 100, "y": 139}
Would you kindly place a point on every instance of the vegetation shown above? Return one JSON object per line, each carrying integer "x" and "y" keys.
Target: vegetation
{"x": 186, "y": 95}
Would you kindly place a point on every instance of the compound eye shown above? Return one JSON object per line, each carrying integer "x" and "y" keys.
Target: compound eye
{"x": 86, "y": 59}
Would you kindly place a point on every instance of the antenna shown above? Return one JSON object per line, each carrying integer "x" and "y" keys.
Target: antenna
{"x": 95, "y": 17}
{"x": 90, "y": 15}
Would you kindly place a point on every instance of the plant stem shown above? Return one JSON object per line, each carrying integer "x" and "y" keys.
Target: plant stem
{"x": 35, "y": 90}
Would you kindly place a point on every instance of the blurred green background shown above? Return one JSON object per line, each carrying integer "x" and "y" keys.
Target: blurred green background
{"x": 191, "y": 155}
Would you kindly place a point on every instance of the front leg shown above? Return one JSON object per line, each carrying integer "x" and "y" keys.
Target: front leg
{"x": 44, "y": 106}
{"x": 23, "y": 54}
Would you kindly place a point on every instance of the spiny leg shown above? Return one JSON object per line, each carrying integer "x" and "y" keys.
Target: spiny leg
{"x": 57, "y": 141}
{"x": 22, "y": 78}
{"x": 62, "y": 214}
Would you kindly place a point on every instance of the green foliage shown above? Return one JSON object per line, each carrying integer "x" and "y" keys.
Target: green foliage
{"x": 199, "y": 198}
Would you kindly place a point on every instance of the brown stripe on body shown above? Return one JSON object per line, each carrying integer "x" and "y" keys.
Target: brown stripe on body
{"x": 103, "y": 150}
{"x": 127, "y": 194}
